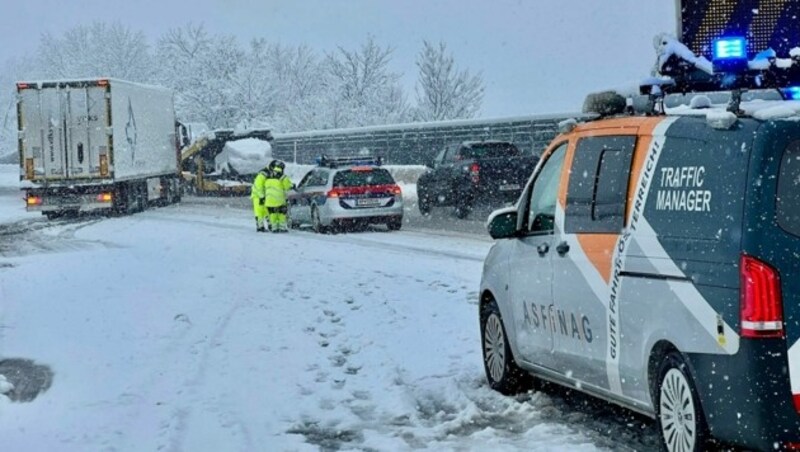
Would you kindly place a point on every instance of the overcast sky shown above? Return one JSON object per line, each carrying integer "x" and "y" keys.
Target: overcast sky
{"x": 536, "y": 56}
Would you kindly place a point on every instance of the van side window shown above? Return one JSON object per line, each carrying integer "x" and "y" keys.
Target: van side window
{"x": 544, "y": 196}
{"x": 598, "y": 185}
{"x": 788, "y": 203}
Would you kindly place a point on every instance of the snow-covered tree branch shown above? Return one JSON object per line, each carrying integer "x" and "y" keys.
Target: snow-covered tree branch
{"x": 443, "y": 91}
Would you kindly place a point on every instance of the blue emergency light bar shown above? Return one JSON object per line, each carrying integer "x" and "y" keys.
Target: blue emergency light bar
{"x": 333, "y": 162}
{"x": 791, "y": 93}
{"x": 733, "y": 48}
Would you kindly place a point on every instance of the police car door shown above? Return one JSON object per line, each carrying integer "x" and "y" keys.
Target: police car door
{"x": 586, "y": 321}
{"x": 531, "y": 268}
{"x": 298, "y": 203}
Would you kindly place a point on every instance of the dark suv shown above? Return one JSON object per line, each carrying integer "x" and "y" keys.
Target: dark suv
{"x": 493, "y": 171}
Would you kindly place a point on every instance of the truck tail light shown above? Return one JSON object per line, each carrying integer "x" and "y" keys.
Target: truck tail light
{"x": 105, "y": 197}
{"x": 34, "y": 200}
{"x": 761, "y": 304}
{"x": 475, "y": 173}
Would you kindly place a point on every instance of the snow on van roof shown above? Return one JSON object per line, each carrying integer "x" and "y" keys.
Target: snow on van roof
{"x": 762, "y": 110}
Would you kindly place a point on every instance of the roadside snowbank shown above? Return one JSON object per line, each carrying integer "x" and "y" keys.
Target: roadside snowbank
{"x": 12, "y": 205}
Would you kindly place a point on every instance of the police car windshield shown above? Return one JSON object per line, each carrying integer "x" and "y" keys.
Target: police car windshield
{"x": 360, "y": 177}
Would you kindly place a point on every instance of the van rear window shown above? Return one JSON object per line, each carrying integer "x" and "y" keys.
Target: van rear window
{"x": 788, "y": 203}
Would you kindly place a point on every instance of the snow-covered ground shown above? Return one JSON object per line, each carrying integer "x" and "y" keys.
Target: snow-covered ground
{"x": 12, "y": 205}
{"x": 181, "y": 329}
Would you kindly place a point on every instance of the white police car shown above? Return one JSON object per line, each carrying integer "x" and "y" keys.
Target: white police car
{"x": 346, "y": 192}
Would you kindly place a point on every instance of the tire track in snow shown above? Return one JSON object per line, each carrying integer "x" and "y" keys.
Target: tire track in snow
{"x": 178, "y": 423}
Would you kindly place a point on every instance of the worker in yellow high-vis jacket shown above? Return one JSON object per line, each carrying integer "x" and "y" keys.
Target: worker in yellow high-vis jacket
{"x": 258, "y": 194}
{"x": 276, "y": 188}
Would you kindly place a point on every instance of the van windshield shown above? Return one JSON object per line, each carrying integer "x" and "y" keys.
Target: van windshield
{"x": 788, "y": 203}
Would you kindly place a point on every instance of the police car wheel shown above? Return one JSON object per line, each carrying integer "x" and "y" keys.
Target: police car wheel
{"x": 501, "y": 370}
{"x": 316, "y": 223}
{"x": 679, "y": 416}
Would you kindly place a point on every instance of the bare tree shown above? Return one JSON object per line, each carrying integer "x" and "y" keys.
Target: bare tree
{"x": 442, "y": 91}
{"x": 366, "y": 90}
{"x": 11, "y": 71}
{"x": 99, "y": 49}
{"x": 204, "y": 72}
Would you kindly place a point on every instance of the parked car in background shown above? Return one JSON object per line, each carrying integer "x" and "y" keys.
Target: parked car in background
{"x": 346, "y": 192}
{"x": 474, "y": 171}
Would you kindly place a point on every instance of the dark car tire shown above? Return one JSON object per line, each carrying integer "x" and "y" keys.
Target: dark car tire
{"x": 424, "y": 205}
{"x": 681, "y": 426}
{"x": 502, "y": 372}
{"x": 462, "y": 211}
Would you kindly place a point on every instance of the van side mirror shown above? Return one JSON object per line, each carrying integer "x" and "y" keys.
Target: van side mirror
{"x": 502, "y": 223}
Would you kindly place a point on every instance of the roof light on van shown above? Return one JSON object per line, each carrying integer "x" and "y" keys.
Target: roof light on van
{"x": 730, "y": 55}
{"x": 761, "y": 304}
{"x": 734, "y": 48}
{"x": 791, "y": 93}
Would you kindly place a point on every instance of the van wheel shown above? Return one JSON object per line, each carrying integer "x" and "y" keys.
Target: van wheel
{"x": 503, "y": 373}
{"x": 679, "y": 416}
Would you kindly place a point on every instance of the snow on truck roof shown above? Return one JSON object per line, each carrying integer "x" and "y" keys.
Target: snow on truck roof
{"x": 88, "y": 80}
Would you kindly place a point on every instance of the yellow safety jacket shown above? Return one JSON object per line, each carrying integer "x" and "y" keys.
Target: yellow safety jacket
{"x": 258, "y": 190}
{"x": 275, "y": 189}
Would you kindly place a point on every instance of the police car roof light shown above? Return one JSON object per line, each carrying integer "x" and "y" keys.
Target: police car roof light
{"x": 791, "y": 93}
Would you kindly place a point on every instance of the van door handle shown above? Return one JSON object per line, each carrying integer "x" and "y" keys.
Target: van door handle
{"x": 562, "y": 249}
{"x": 543, "y": 249}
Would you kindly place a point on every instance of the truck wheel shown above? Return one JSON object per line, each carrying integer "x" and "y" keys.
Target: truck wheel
{"x": 503, "y": 373}
{"x": 53, "y": 214}
{"x": 679, "y": 416}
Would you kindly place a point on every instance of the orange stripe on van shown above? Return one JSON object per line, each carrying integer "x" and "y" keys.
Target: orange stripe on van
{"x": 599, "y": 248}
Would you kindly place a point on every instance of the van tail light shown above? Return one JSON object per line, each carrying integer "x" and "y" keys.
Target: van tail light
{"x": 475, "y": 173}
{"x": 761, "y": 304}
{"x": 796, "y": 399}
{"x": 334, "y": 193}
{"x": 395, "y": 189}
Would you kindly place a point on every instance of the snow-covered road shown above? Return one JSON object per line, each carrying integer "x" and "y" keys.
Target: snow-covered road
{"x": 181, "y": 329}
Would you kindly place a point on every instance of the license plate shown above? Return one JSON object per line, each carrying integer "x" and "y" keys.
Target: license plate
{"x": 368, "y": 202}
{"x": 508, "y": 187}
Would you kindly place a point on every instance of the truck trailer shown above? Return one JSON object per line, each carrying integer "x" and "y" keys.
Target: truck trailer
{"x": 96, "y": 145}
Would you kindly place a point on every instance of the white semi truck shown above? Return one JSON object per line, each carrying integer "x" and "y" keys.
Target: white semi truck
{"x": 96, "y": 144}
